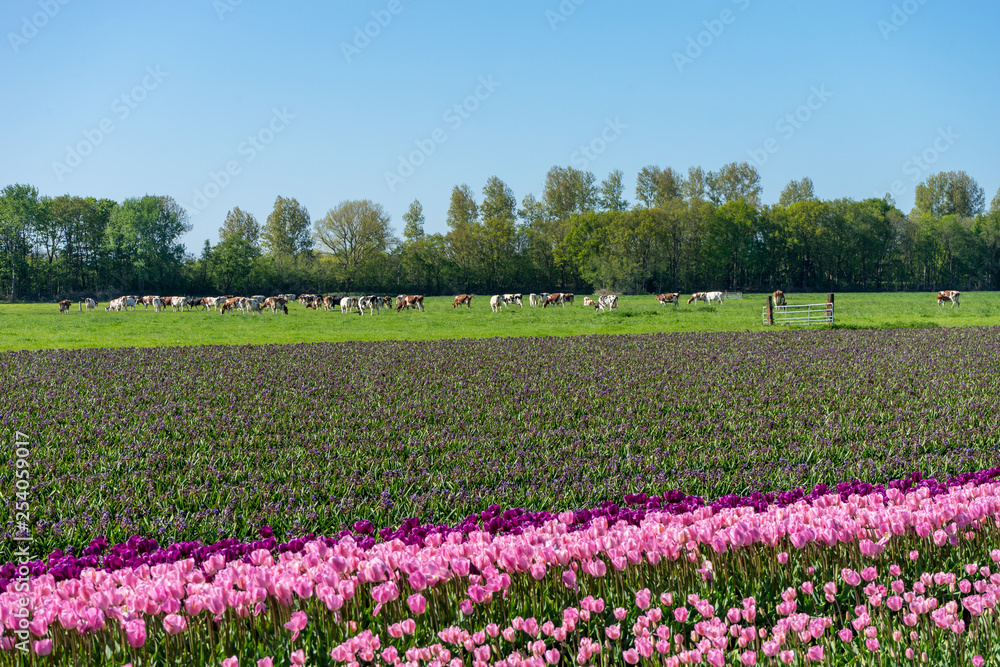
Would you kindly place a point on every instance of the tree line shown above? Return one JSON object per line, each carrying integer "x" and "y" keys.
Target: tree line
{"x": 703, "y": 230}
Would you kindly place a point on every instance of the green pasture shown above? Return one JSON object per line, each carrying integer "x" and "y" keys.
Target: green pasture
{"x": 41, "y": 326}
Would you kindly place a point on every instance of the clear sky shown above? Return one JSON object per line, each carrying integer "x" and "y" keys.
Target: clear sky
{"x": 223, "y": 103}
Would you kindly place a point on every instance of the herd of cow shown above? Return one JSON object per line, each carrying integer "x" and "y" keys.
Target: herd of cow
{"x": 350, "y": 304}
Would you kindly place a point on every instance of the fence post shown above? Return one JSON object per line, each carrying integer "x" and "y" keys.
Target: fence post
{"x": 770, "y": 310}
{"x": 829, "y": 308}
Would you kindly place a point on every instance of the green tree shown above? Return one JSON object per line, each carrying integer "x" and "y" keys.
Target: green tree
{"x": 695, "y": 186}
{"x": 143, "y": 239}
{"x": 287, "y": 232}
{"x": 949, "y": 193}
{"x": 413, "y": 221}
{"x": 733, "y": 182}
{"x": 611, "y": 192}
{"x": 568, "y": 191}
{"x": 20, "y": 212}
{"x": 797, "y": 191}
{"x": 355, "y": 233}
{"x": 233, "y": 259}
{"x": 655, "y": 186}
{"x": 463, "y": 221}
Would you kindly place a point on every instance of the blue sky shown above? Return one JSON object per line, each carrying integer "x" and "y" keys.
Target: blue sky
{"x": 223, "y": 103}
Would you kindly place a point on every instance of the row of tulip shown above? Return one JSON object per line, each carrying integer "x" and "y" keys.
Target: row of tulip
{"x": 892, "y": 576}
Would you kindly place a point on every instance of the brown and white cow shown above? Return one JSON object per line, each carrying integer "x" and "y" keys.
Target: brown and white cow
{"x": 567, "y": 298}
{"x": 230, "y": 304}
{"x": 553, "y": 299}
{"x": 778, "y": 297}
{"x": 708, "y": 297}
{"x": 669, "y": 297}
{"x": 462, "y": 300}
{"x": 64, "y": 305}
{"x": 372, "y": 303}
{"x": 329, "y": 302}
{"x": 587, "y": 301}
{"x": 276, "y": 303}
{"x": 948, "y": 295}
{"x": 115, "y": 304}
{"x": 404, "y": 301}
{"x": 90, "y": 303}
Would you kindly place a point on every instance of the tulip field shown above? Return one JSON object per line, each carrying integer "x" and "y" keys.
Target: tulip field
{"x": 826, "y": 497}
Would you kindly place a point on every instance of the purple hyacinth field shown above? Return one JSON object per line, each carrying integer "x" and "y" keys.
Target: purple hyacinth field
{"x": 725, "y": 498}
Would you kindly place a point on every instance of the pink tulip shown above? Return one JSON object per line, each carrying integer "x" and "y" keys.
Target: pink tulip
{"x": 845, "y": 635}
{"x": 299, "y": 657}
{"x": 297, "y": 623}
{"x": 787, "y": 657}
{"x": 266, "y": 662}
{"x": 631, "y": 656}
{"x": 869, "y": 574}
{"x": 42, "y": 646}
{"x": 613, "y": 631}
{"x": 681, "y": 614}
{"x": 552, "y": 656}
{"x": 417, "y": 603}
{"x": 715, "y": 657}
{"x": 231, "y": 661}
{"x": 569, "y": 579}
{"x": 850, "y": 577}
{"x": 409, "y": 626}
{"x": 174, "y": 624}
{"x": 749, "y": 658}
{"x": 872, "y": 644}
{"x": 620, "y": 613}
{"x": 135, "y": 632}
{"x": 978, "y": 661}
{"x": 783, "y": 557}
{"x": 643, "y": 598}
{"x": 815, "y": 653}
{"x": 914, "y": 555}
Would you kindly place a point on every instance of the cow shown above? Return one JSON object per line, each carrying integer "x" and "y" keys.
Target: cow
{"x": 115, "y": 304}
{"x": 553, "y": 299}
{"x": 372, "y": 303}
{"x": 194, "y": 303}
{"x": 348, "y": 303}
{"x": 496, "y": 302}
{"x": 287, "y": 297}
{"x": 533, "y": 300}
{"x": 230, "y": 304}
{"x": 157, "y": 304}
{"x": 252, "y": 305}
{"x": 276, "y": 303}
{"x": 178, "y": 303}
{"x": 146, "y": 301}
{"x": 315, "y": 303}
{"x": 708, "y": 297}
{"x": 387, "y": 301}
{"x": 948, "y": 295}
{"x": 130, "y": 302}
{"x": 668, "y": 297}
{"x": 511, "y": 299}
{"x": 608, "y": 301}
{"x": 167, "y": 300}
{"x": 64, "y": 305}
{"x": 567, "y": 298}
{"x": 587, "y": 301}
{"x": 462, "y": 300}
{"x": 90, "y": 303}
{"x": 329, "y": 302}
{"x": 778, "y": 297}
{"x": 415, "y": 301}
{"x": 306, "y": 299}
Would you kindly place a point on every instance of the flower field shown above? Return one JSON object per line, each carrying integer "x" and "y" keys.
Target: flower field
{"x": 728, "y": 498}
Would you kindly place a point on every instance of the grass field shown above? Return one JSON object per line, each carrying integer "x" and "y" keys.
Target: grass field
{"x": 40, "y": 326}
